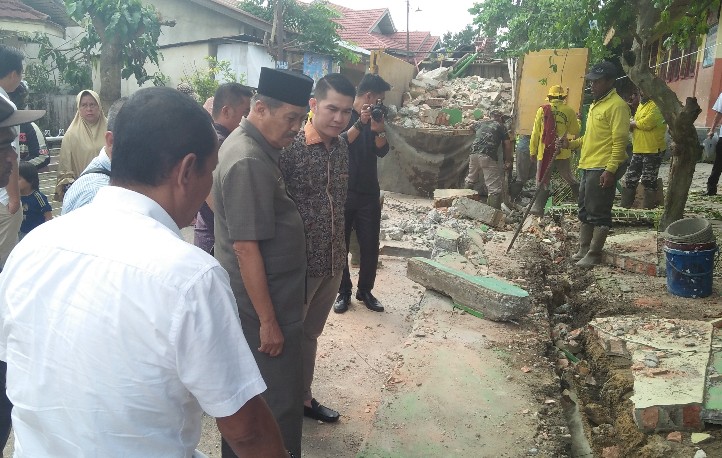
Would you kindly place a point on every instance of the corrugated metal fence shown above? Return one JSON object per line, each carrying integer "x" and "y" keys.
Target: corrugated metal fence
{"x": 60, "y": 112}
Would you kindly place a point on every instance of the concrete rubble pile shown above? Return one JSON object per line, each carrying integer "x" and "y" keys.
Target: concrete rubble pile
{"x": 455, "y": 245}
{"x": 431, "y": 94}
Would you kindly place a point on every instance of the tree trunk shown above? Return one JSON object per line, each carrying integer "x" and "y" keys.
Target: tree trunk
{"x": 111, "y": 66}
{"x": 686, "y": 149}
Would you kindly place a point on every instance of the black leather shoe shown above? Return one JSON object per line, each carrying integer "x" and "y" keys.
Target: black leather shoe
{"x": 320, "y": 412}
{"x": 342, "y": 302}
{"x": 369, "y": 300}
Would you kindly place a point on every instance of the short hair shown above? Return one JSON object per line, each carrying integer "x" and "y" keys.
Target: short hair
{"x": 270, "y": 102}
{"x": 11, "y": 59}
{"x": 113, "y": 112}
{"x": 335, "y": 81}
{"x": 231, "y": 94}
{"x": 373, "y": 83}
{"x": 156, "y": 128}
{"x": 29, "y": 174}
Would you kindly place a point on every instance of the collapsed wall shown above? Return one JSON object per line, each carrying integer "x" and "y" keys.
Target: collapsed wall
{"x": 433, "y": 101}
{"x": 431, "y": 135}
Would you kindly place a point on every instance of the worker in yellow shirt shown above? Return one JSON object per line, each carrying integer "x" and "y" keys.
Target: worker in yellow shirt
{"x": 602, "y": 162}
{"x": 648, "y": 145}
{"x": 565, "y": 122}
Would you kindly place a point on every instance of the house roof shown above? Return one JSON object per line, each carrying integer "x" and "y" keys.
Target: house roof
{"x": 53, "y": 8}
{"x": 19, "y": 17}
{"x": 374, "y": 29}
{"x": 13, "y": 9}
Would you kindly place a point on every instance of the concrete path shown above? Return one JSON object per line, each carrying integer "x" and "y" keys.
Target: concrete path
{"x": 452, "y": 394}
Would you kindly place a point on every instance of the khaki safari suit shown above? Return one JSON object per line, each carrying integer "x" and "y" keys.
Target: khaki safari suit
{"x": 251, "y": 203}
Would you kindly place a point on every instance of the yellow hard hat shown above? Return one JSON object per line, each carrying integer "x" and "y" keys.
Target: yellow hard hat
{"x": 557, "y": 91}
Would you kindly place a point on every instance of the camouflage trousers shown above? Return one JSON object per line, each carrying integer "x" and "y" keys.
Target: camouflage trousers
{"x": 644, "y": 168}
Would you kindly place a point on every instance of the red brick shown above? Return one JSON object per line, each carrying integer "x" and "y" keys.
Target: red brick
{"x": 647, "y": 302}
{"x": 675, "y": 436}
{"x": 691, "y": 416}
{"x": 649, "y": 418}
{"x": 628, "y": 264}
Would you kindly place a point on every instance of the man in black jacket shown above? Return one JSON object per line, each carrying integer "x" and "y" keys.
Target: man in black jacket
{"x": 366, "y": 136}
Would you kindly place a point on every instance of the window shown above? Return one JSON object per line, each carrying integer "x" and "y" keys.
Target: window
{"x": 689, "y": 59}
{"x": 709, "y": 47}
{"x": 674, "y": 64}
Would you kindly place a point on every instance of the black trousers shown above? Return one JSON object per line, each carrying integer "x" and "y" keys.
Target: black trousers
{"x": 6, "y": 408}
{"x": 713, "y": 179}
{"x": 595, "y": 202}
{"x": 362, "y": 213}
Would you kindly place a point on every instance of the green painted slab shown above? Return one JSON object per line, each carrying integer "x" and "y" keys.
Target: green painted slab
{"x": 493, "y": 284}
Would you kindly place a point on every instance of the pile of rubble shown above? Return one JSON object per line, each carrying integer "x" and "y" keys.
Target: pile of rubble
{"x": 433, "y": 100}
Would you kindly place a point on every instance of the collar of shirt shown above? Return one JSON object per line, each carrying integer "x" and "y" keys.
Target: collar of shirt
{"x": 256, "y": 134}
{"x": 131, "y": 201}
{"x": 221, "y": 130}
{"x": 103, "y": 159}
{"x": 605, "y": 96}
{"x": 312, "y": 135}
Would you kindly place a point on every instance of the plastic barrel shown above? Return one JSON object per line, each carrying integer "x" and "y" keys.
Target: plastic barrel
{"x": 689, "y": 273}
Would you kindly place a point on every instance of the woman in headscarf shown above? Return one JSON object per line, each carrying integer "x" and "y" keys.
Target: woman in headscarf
{"x": 82, "y": 141}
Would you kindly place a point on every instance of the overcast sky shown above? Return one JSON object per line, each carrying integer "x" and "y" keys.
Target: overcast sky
{"x": 436, "y": 16}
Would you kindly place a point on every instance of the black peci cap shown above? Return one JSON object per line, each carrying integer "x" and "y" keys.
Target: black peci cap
{"x": 285, "y": 86}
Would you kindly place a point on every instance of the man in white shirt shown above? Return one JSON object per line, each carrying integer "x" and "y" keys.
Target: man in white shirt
{"x": 10, "y": 118}
{"x": 116, "y": 332}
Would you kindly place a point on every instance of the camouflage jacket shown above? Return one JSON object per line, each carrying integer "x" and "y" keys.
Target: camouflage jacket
{"x": 317, "y": 180}
{"x": 489, "y": 135}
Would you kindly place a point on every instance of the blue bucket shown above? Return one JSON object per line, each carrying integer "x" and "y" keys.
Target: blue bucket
{"x": 689, "y": 273}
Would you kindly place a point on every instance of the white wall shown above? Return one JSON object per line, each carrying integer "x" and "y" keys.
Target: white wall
{"x": 195, "y": 22}
{"x": 246, "y": 59}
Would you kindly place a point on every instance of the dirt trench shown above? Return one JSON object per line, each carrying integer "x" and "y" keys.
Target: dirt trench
{"x": 601, "y": 384}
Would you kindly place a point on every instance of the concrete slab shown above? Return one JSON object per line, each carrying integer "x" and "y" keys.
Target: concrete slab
{"x": 496, "y": 299}
{"x": 458, "y": 262}
{"x": 446, "y": 197}
{"x": 402, "y": 250}
{"x": 481, "y": 212}
{"x": 451, "y": 394}
{"x": 635, "y": 252}
{"x": 712, "y": 412}
{"x": 669, "y": 363}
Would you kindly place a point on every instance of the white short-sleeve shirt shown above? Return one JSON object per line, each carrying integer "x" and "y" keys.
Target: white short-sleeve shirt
{"x": 117, "y": 333}
{"x": 718, "y": 108}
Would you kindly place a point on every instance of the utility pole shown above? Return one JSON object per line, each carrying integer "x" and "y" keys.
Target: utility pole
{"x": 277, "y": 30}
{"x": 408, "y": 48}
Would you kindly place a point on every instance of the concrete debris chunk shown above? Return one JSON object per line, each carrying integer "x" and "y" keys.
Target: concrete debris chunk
{"x": 474, "y": 96}
{"x": 447, "y": 239}
{"x": 479, "y": 211}
{"x": 446, "y": 197}
{"x": 496, "y": 299}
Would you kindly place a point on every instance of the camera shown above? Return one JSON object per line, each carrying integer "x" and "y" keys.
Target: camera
{"x": 379, "y": 110}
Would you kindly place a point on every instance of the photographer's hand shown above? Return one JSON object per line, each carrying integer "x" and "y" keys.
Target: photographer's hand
{"x": 365, "y": 115}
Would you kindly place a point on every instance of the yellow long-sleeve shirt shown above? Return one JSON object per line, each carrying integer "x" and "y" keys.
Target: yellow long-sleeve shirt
{"x": 566, "y": 121}
{"x": 605, "y": 140}
{"x": 648, "y": 136}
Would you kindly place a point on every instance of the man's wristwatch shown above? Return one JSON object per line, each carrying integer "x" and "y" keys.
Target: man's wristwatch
{"x": 381, "y": 134}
